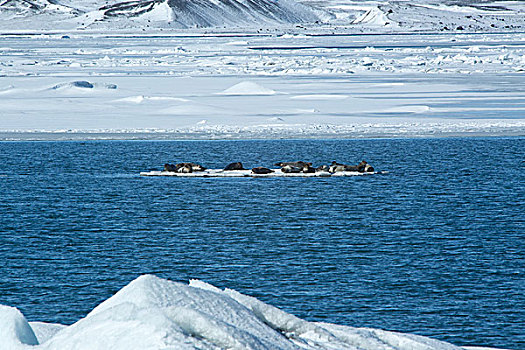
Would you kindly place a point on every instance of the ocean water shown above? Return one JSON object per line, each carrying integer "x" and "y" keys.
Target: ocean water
{"x": 436, "y": 247}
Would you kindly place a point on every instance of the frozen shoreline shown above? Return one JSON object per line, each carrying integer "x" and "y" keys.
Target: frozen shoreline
{"x": 181, "y": 136}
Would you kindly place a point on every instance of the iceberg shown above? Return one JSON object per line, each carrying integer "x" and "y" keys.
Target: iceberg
{"x": 155, "y": 313}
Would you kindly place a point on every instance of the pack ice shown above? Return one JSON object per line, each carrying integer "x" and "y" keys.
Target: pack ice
{"x": 154, "y": 313}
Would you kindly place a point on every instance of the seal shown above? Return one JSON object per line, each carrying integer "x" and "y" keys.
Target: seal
{"x": 361, "y": 166}
{"x": 185, "y": 168}
{"x": 261, "y": 170}
{"x": 194, "y": 166}
{"x": 298, "y": 164}
{"x": 364, "y": 167}
{"x": 170, "y": 167}
{"x": 234, "y": 166}
{"x": 338, "y": 167}
{"x": 322, "y": 168}
{"x": 291, "y": 169}
{"x": 308, "y": 169}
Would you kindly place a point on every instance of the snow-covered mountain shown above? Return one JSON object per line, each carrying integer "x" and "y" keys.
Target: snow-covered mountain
{"x": 343, "y": 15}
{"x": 56, "y": 14}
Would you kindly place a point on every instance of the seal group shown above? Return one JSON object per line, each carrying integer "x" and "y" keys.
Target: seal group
{"x": 285, "y": 167}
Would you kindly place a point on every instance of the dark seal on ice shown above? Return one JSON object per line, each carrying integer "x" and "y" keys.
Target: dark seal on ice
{"x": 184, "y": 168}
{"x": 298, "y": 164}
{"x": 262, "y": 170}
{"x": 338, "y": 167}
{"x": 170, "y": 167}
{"x": 287, "y": 169}
{"x": 322, "y": 168}
{"x": 194, "y": 166}
{"x": 364, "y": 167}
{"x": 292, "y": 167}
{"x": 234, "y": 166}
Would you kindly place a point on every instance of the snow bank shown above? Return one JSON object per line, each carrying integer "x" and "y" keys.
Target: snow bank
{"x": 153, "y": 313}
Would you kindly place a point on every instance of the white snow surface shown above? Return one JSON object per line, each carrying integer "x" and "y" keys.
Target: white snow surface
{"x": 154, "y": 313}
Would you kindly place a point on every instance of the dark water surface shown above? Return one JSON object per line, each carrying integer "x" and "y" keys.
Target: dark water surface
{"x": 436, "y": 247}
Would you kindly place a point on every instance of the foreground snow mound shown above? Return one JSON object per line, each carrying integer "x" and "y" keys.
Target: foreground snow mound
{"x": 153, "y": 313}
{"x": 14, "y": 329}
{"x": 247, "y": 88}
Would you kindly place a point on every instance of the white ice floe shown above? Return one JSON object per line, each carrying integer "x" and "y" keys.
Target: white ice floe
{"x": 154, "y": 313}
{"x": 248, "y": 173}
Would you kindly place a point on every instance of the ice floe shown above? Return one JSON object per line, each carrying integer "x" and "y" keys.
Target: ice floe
{"x": 249, "y": 173}
{"x": 154, "y": 313}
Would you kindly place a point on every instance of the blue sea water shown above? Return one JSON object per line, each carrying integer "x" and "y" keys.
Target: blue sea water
{"x": 435, "y": 247}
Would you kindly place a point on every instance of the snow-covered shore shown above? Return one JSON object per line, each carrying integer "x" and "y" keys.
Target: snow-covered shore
{"x": 203, "y": 87}
{"x": 361, "y": 69}
{"x": 154, "y": 313}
